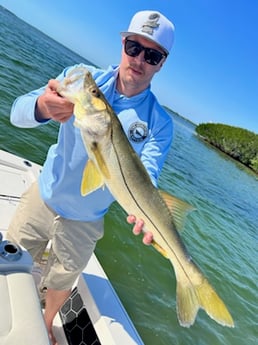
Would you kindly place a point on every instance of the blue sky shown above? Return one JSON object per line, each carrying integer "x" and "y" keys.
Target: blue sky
{"x": 211, "y": 74}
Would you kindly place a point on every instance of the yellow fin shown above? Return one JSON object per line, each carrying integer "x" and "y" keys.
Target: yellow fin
{"x": 159, "y": 249}
{"x": 100, "y": 160}
{"x": 191, "y": 297}
{"x": 213, "y": 305}
{"x": 187, "y": 304}
{"x": 179, "y": 209}
{"x": 91, "y": 179}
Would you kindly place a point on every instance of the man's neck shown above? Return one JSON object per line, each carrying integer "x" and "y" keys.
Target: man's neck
{"x": 127, "y": 89}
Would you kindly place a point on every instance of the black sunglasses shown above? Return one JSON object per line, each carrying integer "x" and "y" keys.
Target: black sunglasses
{"x": 151, "y": 56}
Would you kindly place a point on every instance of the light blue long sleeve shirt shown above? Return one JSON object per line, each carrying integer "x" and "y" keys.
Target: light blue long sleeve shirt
{"x": 148, "y": 127}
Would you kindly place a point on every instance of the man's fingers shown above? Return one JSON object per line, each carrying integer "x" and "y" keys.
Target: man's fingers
{"x": 138, "y": 226}
{"x": 138, "y": 229}
{"x": 53, "y": 84}
{"x": 147, "y": 238}
{"x": 131, "y": 219}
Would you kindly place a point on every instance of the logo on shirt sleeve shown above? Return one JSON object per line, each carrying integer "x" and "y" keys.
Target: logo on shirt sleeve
{"x": 137, "y": 132}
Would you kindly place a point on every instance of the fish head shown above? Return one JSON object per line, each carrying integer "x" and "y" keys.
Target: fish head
{"x": 90, "y": 105}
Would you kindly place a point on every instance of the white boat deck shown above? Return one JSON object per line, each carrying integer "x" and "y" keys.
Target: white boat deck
{"x": 93, "y": 298}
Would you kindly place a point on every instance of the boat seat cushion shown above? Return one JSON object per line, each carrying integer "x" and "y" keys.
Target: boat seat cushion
{"x": 21, "y": 319}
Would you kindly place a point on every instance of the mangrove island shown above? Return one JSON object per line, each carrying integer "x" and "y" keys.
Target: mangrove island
{"x": 238, "y": 143}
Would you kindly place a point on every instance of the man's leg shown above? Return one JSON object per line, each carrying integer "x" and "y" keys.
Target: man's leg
{"x": 73, "y": 243}
{"x": 54, "y": 301}
{"x": 31, "y": 223}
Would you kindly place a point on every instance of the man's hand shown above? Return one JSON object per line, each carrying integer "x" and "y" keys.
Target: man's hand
{"x": 138, "y": 229}
{"x": 50, "y": 105}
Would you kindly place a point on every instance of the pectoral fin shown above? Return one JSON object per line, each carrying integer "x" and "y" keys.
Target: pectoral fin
{"x": 179, "y": 209}
{"x": 100, "y": 160}
{"x": 91, "y": 179}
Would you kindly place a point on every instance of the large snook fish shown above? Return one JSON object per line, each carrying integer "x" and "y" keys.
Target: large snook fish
{"x": 114, "y": 163}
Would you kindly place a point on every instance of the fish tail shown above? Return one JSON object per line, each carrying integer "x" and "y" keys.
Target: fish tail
{"x": 190, "y": 298}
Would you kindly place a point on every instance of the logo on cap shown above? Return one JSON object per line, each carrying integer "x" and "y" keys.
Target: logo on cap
{"x": 151, "y": 23}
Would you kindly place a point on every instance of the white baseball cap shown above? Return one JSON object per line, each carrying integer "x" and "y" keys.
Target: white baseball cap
{"x": 153, "y": 26}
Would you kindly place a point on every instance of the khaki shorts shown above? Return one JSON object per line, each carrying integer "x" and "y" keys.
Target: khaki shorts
{"x": 72, "y": 242}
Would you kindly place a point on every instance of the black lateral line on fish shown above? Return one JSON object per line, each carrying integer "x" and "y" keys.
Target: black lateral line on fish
{"x": 146, "y": 214}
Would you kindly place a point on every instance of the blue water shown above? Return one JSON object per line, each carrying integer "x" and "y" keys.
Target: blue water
{"x": 221, "y": 235}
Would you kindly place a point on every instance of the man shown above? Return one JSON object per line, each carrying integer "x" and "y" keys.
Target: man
{"x": 53, "y": 208}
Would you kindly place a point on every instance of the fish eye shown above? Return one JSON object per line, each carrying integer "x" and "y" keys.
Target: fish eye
{"x": 95, "y": 92}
